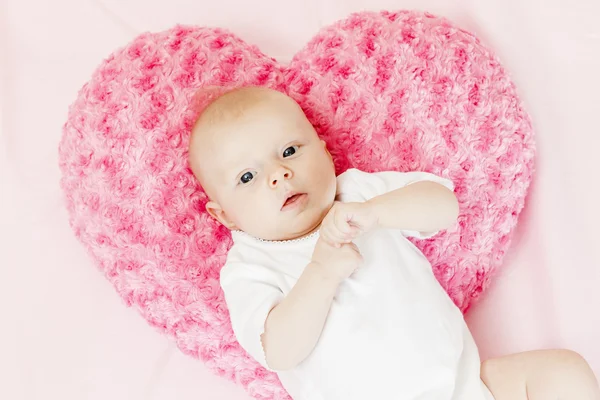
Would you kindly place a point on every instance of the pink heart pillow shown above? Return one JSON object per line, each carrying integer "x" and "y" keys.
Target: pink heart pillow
{"x": 387, "y": 91}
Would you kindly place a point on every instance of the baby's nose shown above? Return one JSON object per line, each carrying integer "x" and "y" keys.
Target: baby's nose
{"x": 279, "y": 175}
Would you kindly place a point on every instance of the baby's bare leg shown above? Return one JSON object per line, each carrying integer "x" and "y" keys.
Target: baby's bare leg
{"x": 540, "y": 375}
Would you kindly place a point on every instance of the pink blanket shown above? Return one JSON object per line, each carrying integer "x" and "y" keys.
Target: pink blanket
{"x": 53, "y": 347}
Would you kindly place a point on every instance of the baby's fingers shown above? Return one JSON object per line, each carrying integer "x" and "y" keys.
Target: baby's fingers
{"x": 332, "y": 236}
{"x": 342, "y": 224}
{"x": 347, "y": 232}
{"x": 354, "y": 232}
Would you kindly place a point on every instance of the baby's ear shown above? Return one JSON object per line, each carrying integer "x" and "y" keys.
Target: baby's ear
{"x": 215, "y": 211}
{"x": 326, "y": 149}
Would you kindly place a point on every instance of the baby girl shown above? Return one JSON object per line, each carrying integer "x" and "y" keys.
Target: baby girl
{"x": 323, "y": 285}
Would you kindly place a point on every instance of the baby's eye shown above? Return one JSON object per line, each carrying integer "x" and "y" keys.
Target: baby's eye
{"x": 247, "y": 177}
{"x": 290, "y": 151}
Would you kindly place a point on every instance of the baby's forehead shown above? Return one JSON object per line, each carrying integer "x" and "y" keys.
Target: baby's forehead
{"x": 243, "y": 127}
{"x": 230, "y": 141}
{"x": 237, "y": 118}
{"x": 239, "y": 102}
{"x": 230, "y": 117}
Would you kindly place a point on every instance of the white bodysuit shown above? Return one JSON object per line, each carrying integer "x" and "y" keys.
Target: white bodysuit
{"x": 392, "y": 331}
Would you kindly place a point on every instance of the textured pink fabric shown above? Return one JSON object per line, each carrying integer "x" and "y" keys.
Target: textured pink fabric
{"x": 400, "y": 91}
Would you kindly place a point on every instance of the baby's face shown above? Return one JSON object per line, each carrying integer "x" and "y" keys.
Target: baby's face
{"x": 267, "y": 172}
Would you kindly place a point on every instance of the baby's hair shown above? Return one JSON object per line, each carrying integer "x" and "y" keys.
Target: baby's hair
{"x": 218, "y": 104}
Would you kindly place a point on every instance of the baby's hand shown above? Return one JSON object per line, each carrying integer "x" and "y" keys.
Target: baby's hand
{"x": 336, "y": 262}
{"x": 345, "y": 221}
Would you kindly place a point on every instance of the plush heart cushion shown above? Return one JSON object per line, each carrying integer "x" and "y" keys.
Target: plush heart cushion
{"x": 386, "y": 91}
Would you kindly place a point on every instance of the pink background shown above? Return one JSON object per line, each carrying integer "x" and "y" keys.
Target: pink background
{"x": 65, "y": 333}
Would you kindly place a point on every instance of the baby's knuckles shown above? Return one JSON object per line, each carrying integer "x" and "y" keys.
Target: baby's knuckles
{"x": 338, "y": 263}
{"x": 360, "y": 214}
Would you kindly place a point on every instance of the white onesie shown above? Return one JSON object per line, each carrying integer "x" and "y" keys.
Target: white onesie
{"x": 392, "y": 331}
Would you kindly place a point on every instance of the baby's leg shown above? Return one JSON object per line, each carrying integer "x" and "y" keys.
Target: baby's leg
{"x": 540, "y": 375}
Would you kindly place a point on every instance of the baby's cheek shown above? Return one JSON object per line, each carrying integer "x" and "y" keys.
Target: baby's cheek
{"x": 322, "y": 170}
{"x": 242, "y": 209}
{"x": 326, "y": 182}
{"x": 255, "y": 211}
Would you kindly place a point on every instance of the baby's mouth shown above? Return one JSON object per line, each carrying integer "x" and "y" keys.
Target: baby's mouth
{"x": 292, "y": 201}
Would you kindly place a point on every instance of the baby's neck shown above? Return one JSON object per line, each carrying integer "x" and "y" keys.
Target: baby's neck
{"x": 300, "y": 236}
{"x": 313, "y": 230}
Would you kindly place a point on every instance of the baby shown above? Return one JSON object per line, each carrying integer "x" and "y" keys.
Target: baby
{"x": 323, "y": 286}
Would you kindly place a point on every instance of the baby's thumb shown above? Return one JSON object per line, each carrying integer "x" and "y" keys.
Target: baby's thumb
{"x": 354, "y": 247}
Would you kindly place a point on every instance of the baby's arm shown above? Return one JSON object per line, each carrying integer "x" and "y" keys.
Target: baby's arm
{"x": 294, "y": 326}
{"x": 422, "y": 206}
